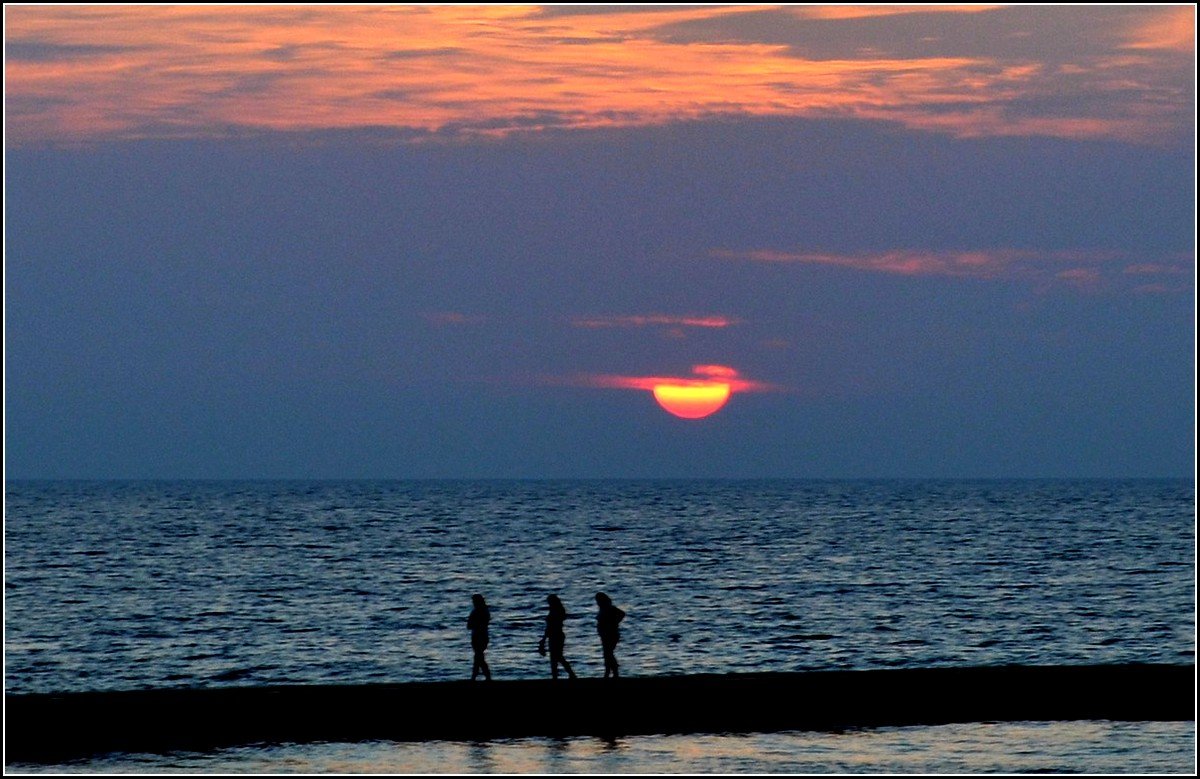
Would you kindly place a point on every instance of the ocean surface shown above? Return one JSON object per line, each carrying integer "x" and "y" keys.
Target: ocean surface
{"x": 123, "y": 585}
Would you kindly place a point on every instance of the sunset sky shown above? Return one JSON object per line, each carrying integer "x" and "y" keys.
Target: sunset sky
{"x": 470, "y": 241}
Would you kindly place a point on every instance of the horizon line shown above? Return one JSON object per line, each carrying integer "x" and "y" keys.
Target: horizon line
{"x": 348, "y": 479}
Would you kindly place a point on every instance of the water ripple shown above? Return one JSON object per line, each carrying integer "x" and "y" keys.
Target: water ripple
{"x": 123, "y": 584}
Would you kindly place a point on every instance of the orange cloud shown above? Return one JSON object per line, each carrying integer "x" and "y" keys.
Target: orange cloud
{"x": 715, "y": 371}
{"x": 1171, "y": 29}
{"x": 82, "y": 73}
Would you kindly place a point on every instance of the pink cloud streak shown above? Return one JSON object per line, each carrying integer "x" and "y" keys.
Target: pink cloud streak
{"x": 702, "y": 376}
{"x": 986, "y": 263}
{"x": 1076, "y": 267}
{"x": 648, "y": 320}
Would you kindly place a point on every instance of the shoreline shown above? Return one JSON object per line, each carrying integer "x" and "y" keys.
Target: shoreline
{"x": 54, "y": 728}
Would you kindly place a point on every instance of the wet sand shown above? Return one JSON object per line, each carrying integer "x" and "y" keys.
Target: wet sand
{"x": 51, "y": 728}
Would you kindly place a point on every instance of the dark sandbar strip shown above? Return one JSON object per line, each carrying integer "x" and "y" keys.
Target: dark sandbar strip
{"x": 58, "y": 727}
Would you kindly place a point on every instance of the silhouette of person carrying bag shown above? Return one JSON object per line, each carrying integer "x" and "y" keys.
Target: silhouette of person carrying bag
{"x": 477, "y": 623}
{"x": 607, "y": 620}
{"x": 557, "y": 638}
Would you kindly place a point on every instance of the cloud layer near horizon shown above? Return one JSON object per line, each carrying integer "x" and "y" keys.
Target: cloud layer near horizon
{"x": 702, "y": 376}
{"x": 85, "y": 73}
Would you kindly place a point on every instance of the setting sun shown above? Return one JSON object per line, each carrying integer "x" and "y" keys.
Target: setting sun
{"x": 695, "y": 397}
{"x": 691, "y": 401}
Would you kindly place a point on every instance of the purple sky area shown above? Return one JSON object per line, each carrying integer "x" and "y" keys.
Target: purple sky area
{"x": 944, "y": 244}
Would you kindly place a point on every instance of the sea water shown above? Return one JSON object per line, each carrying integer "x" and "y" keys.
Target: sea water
{"x": 125, "y": 585}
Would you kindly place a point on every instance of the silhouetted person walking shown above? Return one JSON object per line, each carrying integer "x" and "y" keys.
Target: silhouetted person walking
{"x": 555, "y": 635}
{"x": 607, "y": 620}
{"x": 477, "y": 623}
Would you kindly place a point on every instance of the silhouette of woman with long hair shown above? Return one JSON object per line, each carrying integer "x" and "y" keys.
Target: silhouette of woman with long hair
{"x": 607, "y": 620}
{"x": 477, "y": 623}
{"x": 557, "y": 638}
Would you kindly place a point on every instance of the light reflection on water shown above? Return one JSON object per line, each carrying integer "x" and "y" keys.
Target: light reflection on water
{"x": 1096, "y": 747}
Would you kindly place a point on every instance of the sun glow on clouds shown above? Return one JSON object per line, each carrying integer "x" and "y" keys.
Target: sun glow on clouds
{"x": 1172, "y": 29}
{"x": 868, "y": 11}
{"x": 694, "y": 397}
{"x": 79, "y": 73}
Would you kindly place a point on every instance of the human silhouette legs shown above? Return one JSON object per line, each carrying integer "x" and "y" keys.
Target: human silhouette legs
{"x": 480, "y": 666}
{"x": 556, "y": 658}
{"x": 610, "y": 660}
